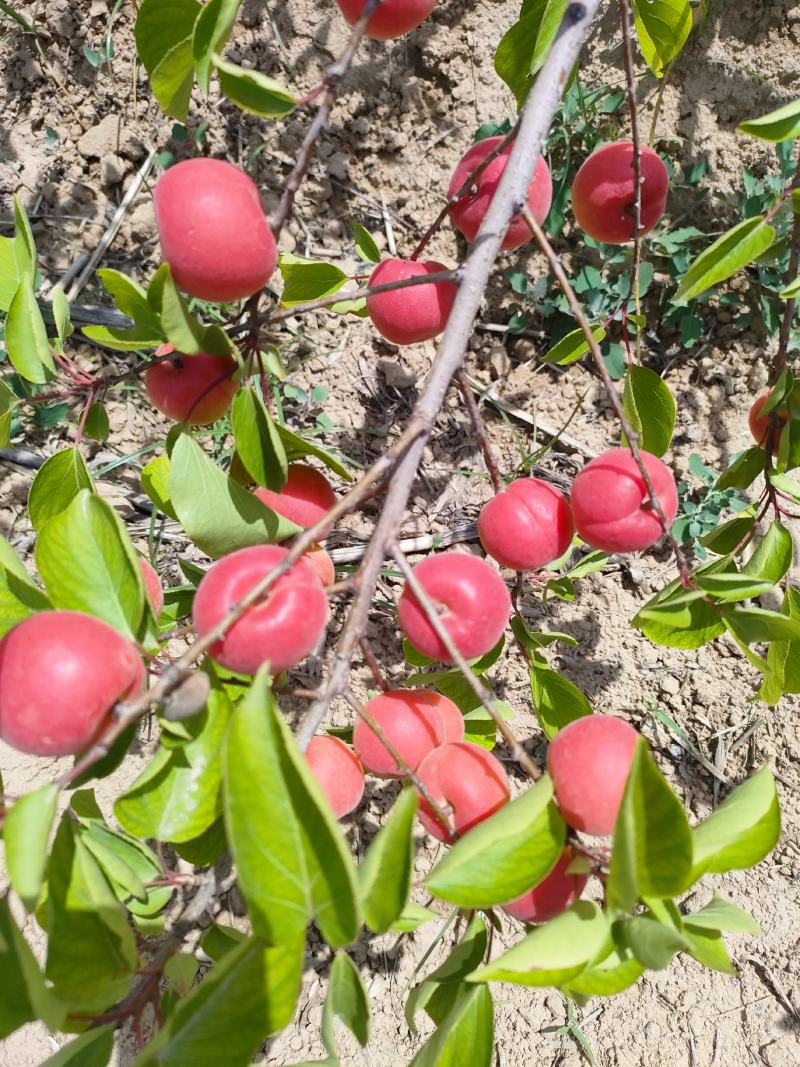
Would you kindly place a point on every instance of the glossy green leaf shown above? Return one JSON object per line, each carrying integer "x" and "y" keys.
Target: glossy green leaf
{"x": 90, "y": 944}
{"x": 652, "y": 852}
{"x": 653, "y": 943}
{"x": 744, "y": 828}
{"x": 9, "y": 273}
{"x": 92, "y": 1049}
{"x": 58, "y": 481}
{"x": 553, "y": 953}
{"x": 96, "y": 425}
{"x": 218, "y": 514}
{"x": 205, "y": 850}
{"x": 721, "y": 914}
{"x": 650, "y": 408}
{"x": 783, "y": 124}
{"x": 347, "y": 1000}
{"x": 783, "y": 657}
{"x": 155, "y": 482}
{"x": 253, "y": 91}
{"x": 687, "y": 625}
{"x": 61, "y": 315}
{"x": 412, "y": 916}
{"x": 523, "y": 49}
{"x": 258, "y": 442}
{"x": 131, "y": 299}
{"x": 88, "y": 563}
{"x": 556, "y": 700}
{"x": 753, "y": 625}
{"x": 164, "y": 44}
{"x": 181, "y": 327}
{"x": 26, "y": 336}
{"x": 708, "y": 948}
{"x": 100, "y": 842}
{"x": 438, "y": 992}
{"x": 504, "y": 855}
{"x": 662, "y": 27}
{"x": 791, "y": 291}
{"x": 727, "y": 255}
{"x": 24, "y": 996}
{"x": 19, "y": 596}
{"x": 211, "y": 32}
{"x": 135, "y": 339}
{"x": 218, "y": 940}
{"x": 308, "y": 279}
{"x": 297, "y": 447}
{"x": 466, "y": 1035}
{"x": 385, "y": 873}
{"x": 772, "y": 557}
{"x": 743, "y": 471}
{"x": 571, "y": 347}
{"x": 366, "y": 248}
{"x": 244, "y": 998}
{"x": 612, "y": 974}
{"x": 26, "y": 833}
{"x": 726, "y": 537}
{"x": 177, "y": 797}
{"x": 733, "y": 586}
{"x": 24, "y": 244}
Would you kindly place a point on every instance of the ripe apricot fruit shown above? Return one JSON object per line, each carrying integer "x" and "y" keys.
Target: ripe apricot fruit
{"x": 414, "y": 721}
{"x": 604, "y": 195}
{"x": 194, "y": 389}
{"x": 472, "y": 600}
{"x": 468, "y": 212}
{"x": 527, "y": 525}
{"x": 551, "y": 896}
{"x": 759, "y": 424}
{"x": 61, "y": 673}
{"x": 153, "y": 587}
{"x": 589, "y": 761}
{"x": 611, "y": 504}
{"x": 281, "y": 629}
{"x": 338, "y": 770}
{"x": 417, "y": 313}
{"x": 213, "y": 231}
{"x": 464, "y": 779}
{"x": 392, "y": 18}
{"x": 304, "y": 499}
{"x": 322, "y": 564}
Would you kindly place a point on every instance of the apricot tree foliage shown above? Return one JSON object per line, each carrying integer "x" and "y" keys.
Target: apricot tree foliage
{"x": 230, "y": 795}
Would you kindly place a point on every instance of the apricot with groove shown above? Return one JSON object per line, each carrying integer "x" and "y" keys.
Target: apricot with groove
{"x": 304, "y": 499}
{"x": 527, "y": 525}
{"x": 465, "y": 780}
{"x": 194, "y": 389}
{"x": 338, "y": 770}
{"x": 604, "y": 196}
{"x": 416, "y": 313}
{"x": 392, "y": 18}
{"x": 412, "y": 723}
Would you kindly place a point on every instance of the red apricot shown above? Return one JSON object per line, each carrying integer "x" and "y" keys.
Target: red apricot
{"x": 322, "y": 564}
{"x": 603, "y": 192}
{"x": 304, "y": 499}
{"x": 194, "y": 389}
{"x": 392, "y": 18}
{"x": 759, "y": 424}
{"x": 451, "y": 716}
{"x": 61, "y": 673}
{"x": 412, "y": 724}
{"x": 280, "y": 629}
{"x": 418, "y": 313}
{"x": 611, "y": 504}
{"x": 551, "y": 896}
{"x": 467, "y": 214}
{"x": 589, "y": 761}
{"x": 338, "y": 770}
{"x": 464, "y": 779}
{"x": 527, "y": 525}
{"x": 213, "y": 231}
{"x": 472, "y": 600}
{"x": 153, "y": 587}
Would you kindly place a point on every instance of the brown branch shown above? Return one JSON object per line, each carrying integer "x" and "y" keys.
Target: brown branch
{"x": 611, "y": 391}
{"x": 478, "y": 426}
{"x": 332, "y": 80}
{"x": 779, "y": 362}
{"x": 482, "y": 692}
{"x": 375, "y": 668}
{"x": 535, "y": 120}
{"x": 630, "y": 83}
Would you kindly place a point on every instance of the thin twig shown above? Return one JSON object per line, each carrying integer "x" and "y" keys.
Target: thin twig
{"x": 779, "y": 362}
{"x": 630, "y": 82}
{"x": 611, "y": 391}
{"x": 478, "y": 426}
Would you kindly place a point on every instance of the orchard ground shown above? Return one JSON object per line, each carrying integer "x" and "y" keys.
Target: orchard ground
{"x": 400, "y": 133}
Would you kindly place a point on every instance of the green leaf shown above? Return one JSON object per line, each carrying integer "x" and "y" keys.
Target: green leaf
{"x": 92, "y": 1049}
{"x": 24, "y": 245}
{"x": 26, "y": 336}
{"x": 614, "y": 972}
{"x": 244, "y": 998}
{"x": 650, "y": 408}
{"x": 307, "y": 279}
{"x": 211, "y": 32}
{"x": 652, "y": 852}
{"x": 218, "y": 940}
{"x": 743, "y": 829}
{"x": 571, "y": 347}
{"x": 743, "y": 471}
{"x": 412, "y": 916}
{"x": 752, "y": 625}
{"x": 26, "y": 833}
{"x": 772, "y": 557}
{"x": 258, "y": 442}
{"x": 291, "y": 858}
{"x": 384, "y": 874}
{"x": 90, "y": 944}
{"x": 366, "y": 248}
{"x": 297, "y": 447}
{"x": 505, "y": 855}
{"x": 653, "y": 943}
{"x": 164, "y": 44}
{"x": 553, "y": 953}
{"x": 131, "y": 299}
{"x": 61, "y": 315}
{"x": 96, "y": 425}
{"x": 155, "y": 482}
{"x": 729, "y": 535}
{"x": 347, "y": 1000}
{"x": 708, "y": 948}
{"x": 437, "y": 993}
{"x": 102, "y": 845}
{"x": 58, "y": 481}
{"x": 218, "y": 514}
{"x": 9, "y": 274}
{"x": 523, "y": 49}
{"x": 556, "y": 701}
{"x": 662, "y": 27}
{"x": 687, "y": 625}
{"x": 181, "y": 327}
{"x": 721, "y": 914}
{"x": 727, "y": 255}
{"x": 782, "y": 124}
{"x": 466, "y": 1035}
{"x": 19, "y": 597}
{"x": 733, "y": 586}
{"x": 132, "y": 340}
{"x": 791, "y": 292}
{"x": 23, "y": 993}
{"x": 88, "y": 563}
{"x": 177, "y": 797}
{"x": 252, "y": 91}
{"x": 783, "y": 657}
